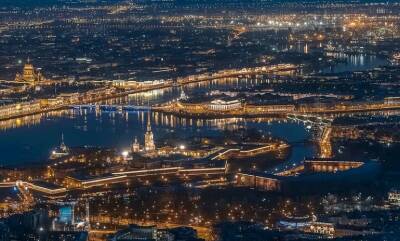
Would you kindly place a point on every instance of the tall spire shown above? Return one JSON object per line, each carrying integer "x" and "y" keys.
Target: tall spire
{"x": 148, "y": 121}
{"x": 63, "y": 147}
{"x": 148, "y": 136}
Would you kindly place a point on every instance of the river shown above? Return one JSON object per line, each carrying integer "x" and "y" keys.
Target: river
{"x": 32, "y": 143}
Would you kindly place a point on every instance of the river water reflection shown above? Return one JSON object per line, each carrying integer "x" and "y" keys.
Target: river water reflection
{"x": 355, "y": 62}
{"x": 31, "y": 142}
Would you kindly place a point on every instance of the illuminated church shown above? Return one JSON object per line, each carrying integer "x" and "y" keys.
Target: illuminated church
{"x": 29, "y": 75}
{"x": 149, "y": 145}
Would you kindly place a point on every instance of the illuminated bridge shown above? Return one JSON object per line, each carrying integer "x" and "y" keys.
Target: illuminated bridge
{"x": 119, "y": 108}
{"x": 86, "y": 99}
{"x": 323, "y": 129}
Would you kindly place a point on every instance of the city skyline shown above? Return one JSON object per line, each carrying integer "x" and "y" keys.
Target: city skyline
{"x": 199, "y": 120}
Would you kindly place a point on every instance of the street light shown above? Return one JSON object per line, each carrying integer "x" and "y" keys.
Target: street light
{"x": 125, "y": 154}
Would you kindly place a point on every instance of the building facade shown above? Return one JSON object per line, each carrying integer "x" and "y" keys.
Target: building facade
{"x": 135, "y": 146}
{"x": 29, "y": 75}
{"x": 260, "y": 181}
{"x": 221, "y": 105}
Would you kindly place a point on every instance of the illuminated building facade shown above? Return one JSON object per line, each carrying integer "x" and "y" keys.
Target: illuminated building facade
{"x": 392, "y": 100}
{"x": 21, "y": 108}
{"x": 394, "y": 197}
{"x": 330, "y": 165}
{"x": 60, "y": 151}
{"x": 259, "y": 181}
{"x": 135, "y": 146}
{"x": 221, "y": 105}
{"x": 308, "y": 225}
{"x": 135, "y": 232}
{"x": 327, "y": 229}
{"x": 395, "y": 58}
{"x": 29, "y": 75}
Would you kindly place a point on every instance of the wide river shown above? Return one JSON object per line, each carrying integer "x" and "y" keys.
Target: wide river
{"x": 23, "y": 143}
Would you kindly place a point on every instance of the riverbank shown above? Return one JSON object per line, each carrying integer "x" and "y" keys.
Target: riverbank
{"x": 203, "y": 110}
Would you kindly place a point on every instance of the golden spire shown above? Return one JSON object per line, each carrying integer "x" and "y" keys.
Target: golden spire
{"x": 148, "y": 121}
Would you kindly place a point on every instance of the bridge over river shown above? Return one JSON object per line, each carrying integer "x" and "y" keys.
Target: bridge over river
{"x": 119, "y": 108}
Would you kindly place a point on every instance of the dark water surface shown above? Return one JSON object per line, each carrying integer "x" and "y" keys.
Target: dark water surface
{"x": 32, "y": 143}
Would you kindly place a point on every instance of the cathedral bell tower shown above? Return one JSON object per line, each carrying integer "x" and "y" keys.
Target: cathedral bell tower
{"x": 135, "y": 146}
{"x": 148, "y": 137}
